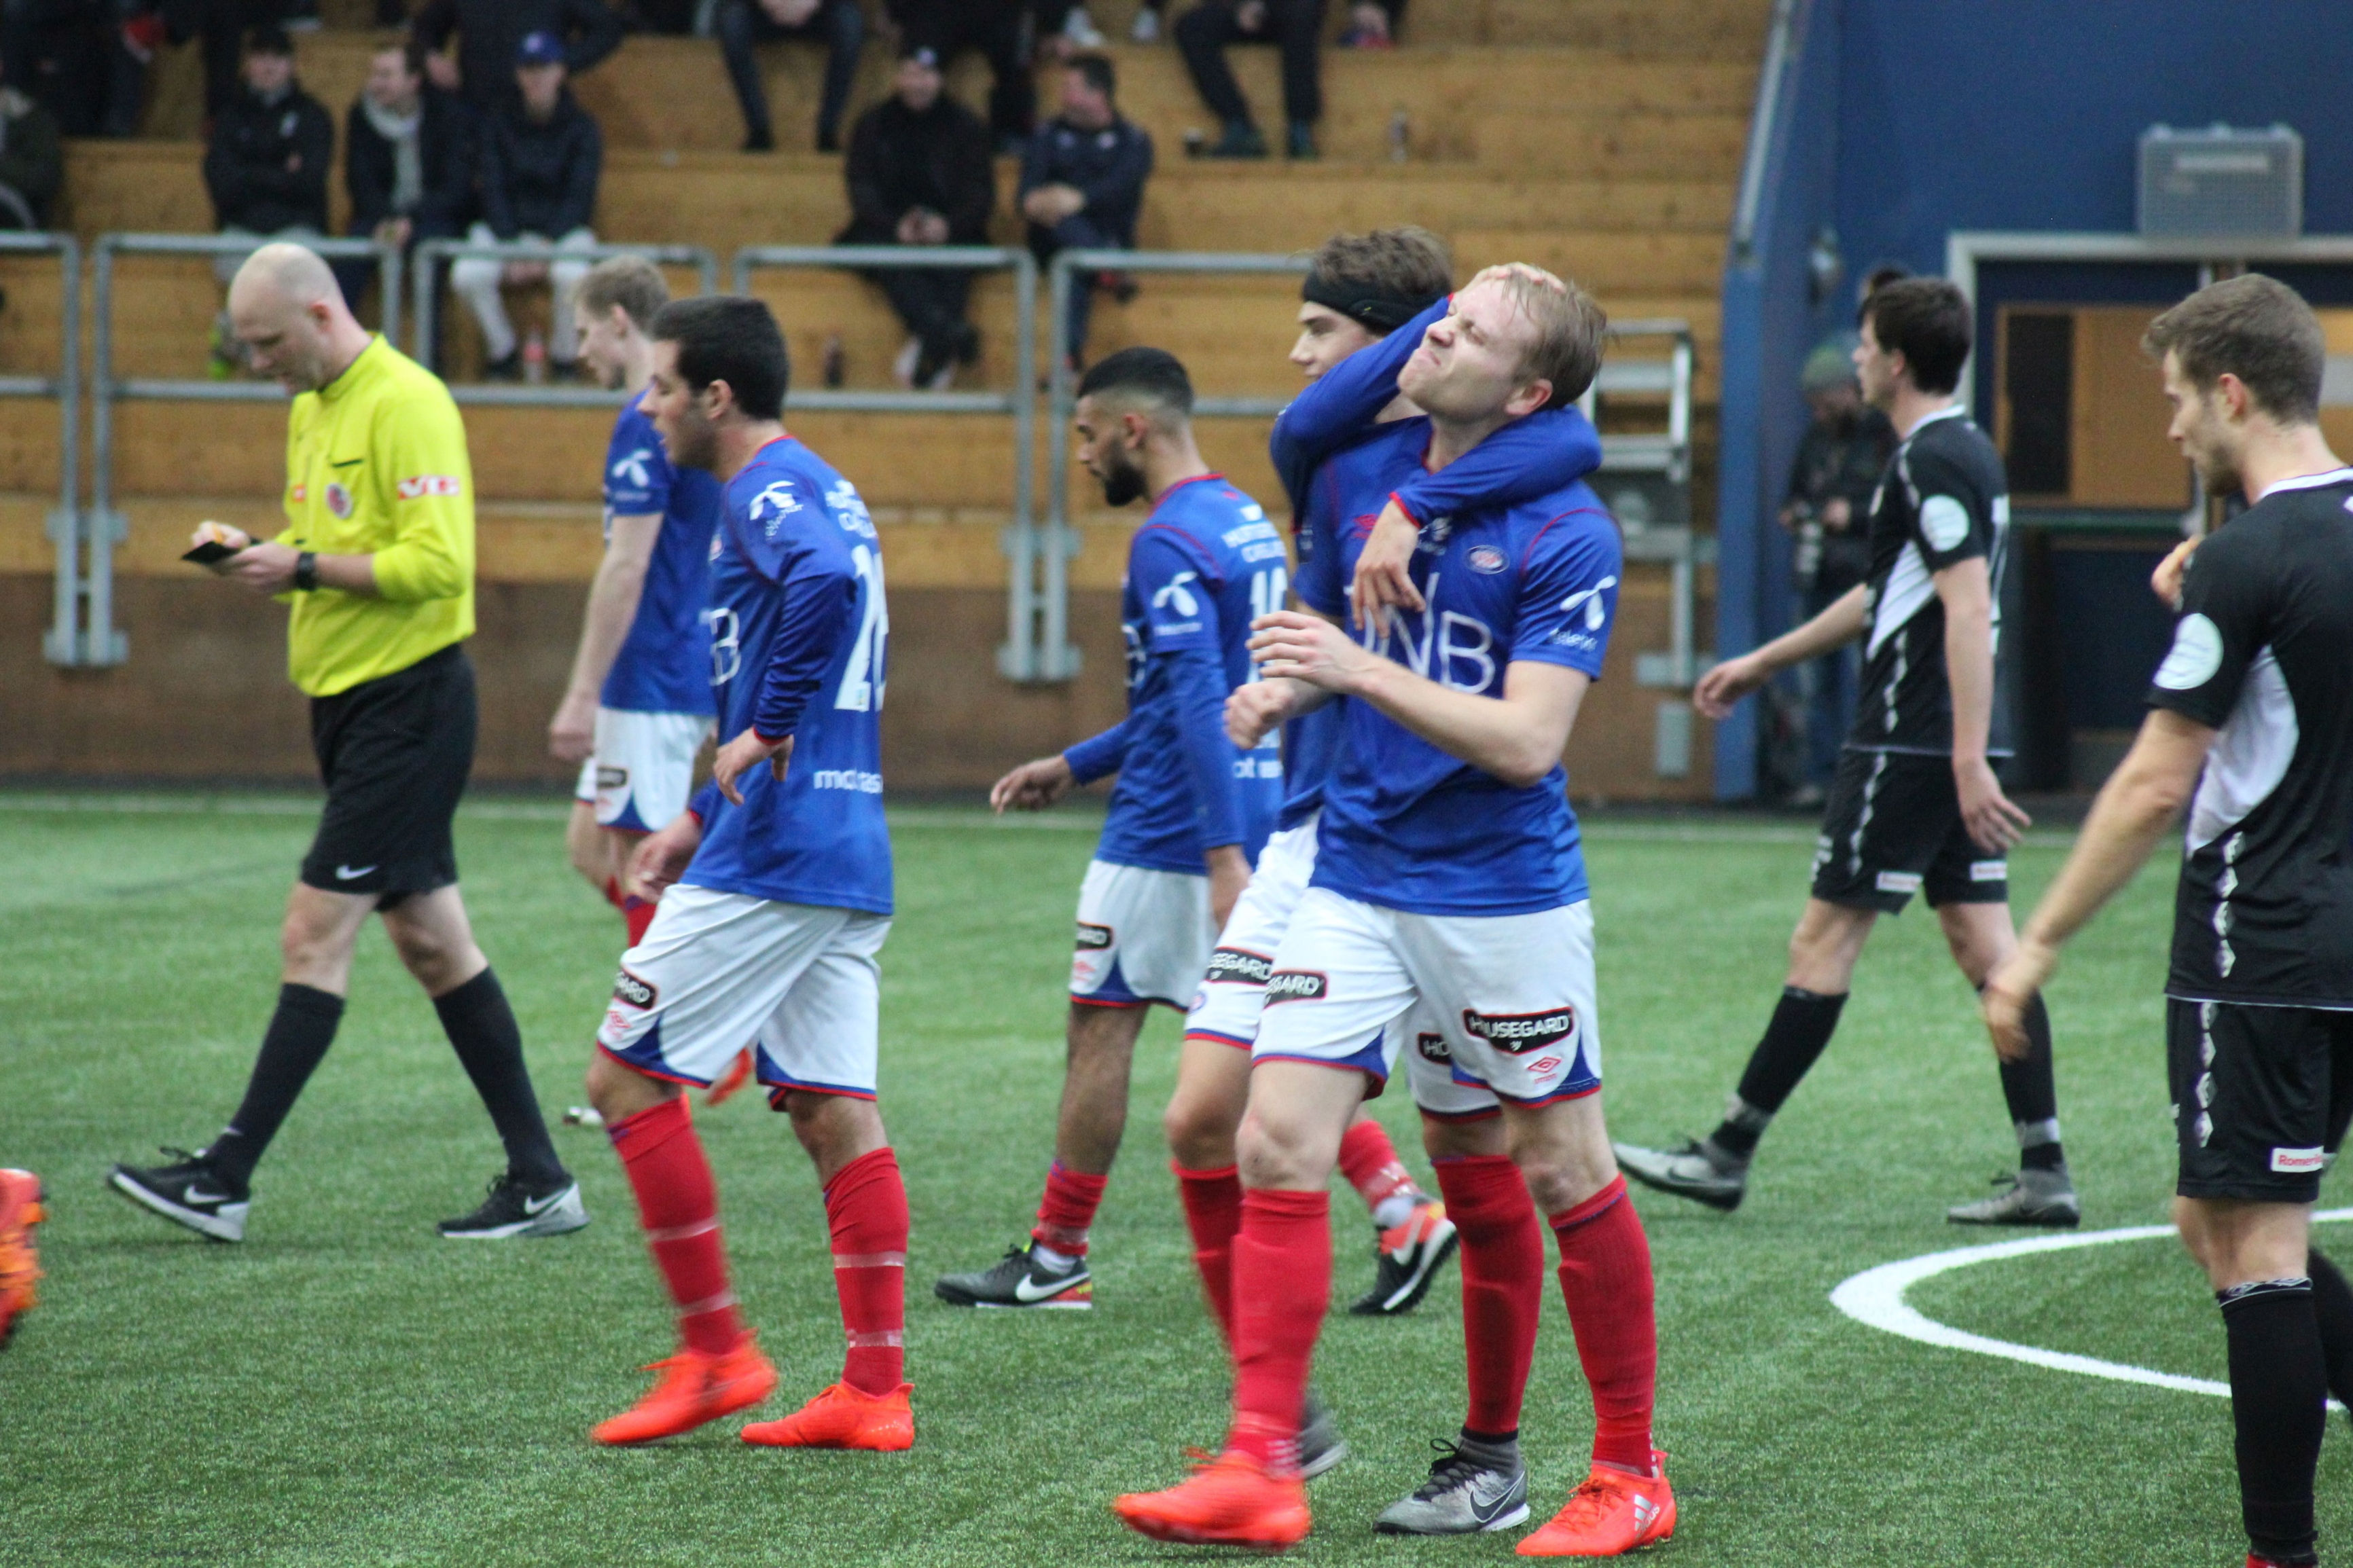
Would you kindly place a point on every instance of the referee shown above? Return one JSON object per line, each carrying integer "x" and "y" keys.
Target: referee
{"x": 377, "y": 564}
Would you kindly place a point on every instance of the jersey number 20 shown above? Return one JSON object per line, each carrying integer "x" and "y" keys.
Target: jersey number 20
{"x": 862, "y": 677}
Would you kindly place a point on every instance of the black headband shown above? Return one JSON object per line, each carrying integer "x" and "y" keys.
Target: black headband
{"x": 1382, "y": 313}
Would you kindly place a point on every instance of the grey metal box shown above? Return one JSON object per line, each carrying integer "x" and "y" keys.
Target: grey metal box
{"x": 2222, "y": 181}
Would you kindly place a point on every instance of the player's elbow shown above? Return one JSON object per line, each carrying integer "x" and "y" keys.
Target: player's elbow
{"x": 1524, "y": 766}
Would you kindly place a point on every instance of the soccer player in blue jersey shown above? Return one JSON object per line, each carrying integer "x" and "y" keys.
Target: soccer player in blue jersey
{"x": 1449, "y": 875}
{"x": 774, "y": 890}
{"x": 1191, "y": 809}
{"x": 638, "y": 705}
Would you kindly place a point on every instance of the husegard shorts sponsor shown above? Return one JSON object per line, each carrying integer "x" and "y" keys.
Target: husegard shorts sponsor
{"x": 1142, "y": 936}
{"x": 1892, "y": 828}
{"x": 643, "y": 768}
{"x": 2261, "y": 1098}
{"x": 1227, "y": 1003}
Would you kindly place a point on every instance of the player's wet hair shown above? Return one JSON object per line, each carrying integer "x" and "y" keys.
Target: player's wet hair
{"x": 1152, "y": 377}
{"x": 1101, "y": 74}
{"x": 1379, "y": 280}
{"x": 730, "y": 338}
{"x": 1571, "y": 327}
{"x": 2255, "y": 328}
{"x": 632, "y": 282}
{"x": 1926, "y": 319}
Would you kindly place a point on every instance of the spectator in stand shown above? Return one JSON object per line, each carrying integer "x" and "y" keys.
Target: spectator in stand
{"x": 32, "y": 161}
{"x": 838, "y": 25}
{"x": 1296, "y": 26}
{"x": 491, "y": 31}
{"x": 84, "y": 60}
{"x": 998, "y": 29}
{"x": 265, "y": 168}
{"x": 919, "y": 173}
{"x": 408, "y": 160}
{"x": 541, "y": 155}
{"x": 1082, "y": 184}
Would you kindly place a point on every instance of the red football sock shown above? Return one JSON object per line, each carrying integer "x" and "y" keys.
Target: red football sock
{"x": 637, "y": 913}
{"x": 1605, "y": 1278}
{"x": 1067, "y": 1209}
{"x": 1213, "y": 1213}
{"x": 613, "y": 891}
{"x": 866, "y": 1205}
{"x": 1503, "y": 1282}
{"x": 680, "y": 1208}
{"x": 1282, "y": 1284}
{"x": 1370, "y": 1162}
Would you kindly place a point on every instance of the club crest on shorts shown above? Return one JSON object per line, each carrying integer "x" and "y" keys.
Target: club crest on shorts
{"x": 635, "y": 992}
{"x": 1432, "y": 1047}
{"x": 1295, "y": 985}
{"x": 1520, "y": 1033}
{"x": 1093, "y": 938}
{"x": 1233, "y": 966}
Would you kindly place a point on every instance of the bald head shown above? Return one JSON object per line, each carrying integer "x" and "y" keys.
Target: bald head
{"x": 289, "y": 311}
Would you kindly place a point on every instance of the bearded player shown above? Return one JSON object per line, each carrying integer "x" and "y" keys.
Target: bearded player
{"x": 776, "y": 897}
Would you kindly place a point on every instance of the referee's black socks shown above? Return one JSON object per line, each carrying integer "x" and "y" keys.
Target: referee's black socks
{"x": 2279, "y": 1388}
{"x": 2033, "y": 1096}
{"x": 482, "y": 1030}
{"x": 300, "y": 1030}
{"x": 1802, "y": 1024}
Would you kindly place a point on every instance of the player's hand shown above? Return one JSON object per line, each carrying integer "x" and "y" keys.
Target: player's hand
{"x": 662, "y": 856}
{"x": 266, "y": 569}
{"x": 1253, "y": 709}
{"x": 219, "y": 533}
{"x": 2008, "y": 990}
{"x": 1309, "y": 648}
{"x": 572, "y": 733}
{"x": 1229, "y": 875}
{"x": 2166, "y": 581}
{"x": 1994, "y": 821}
{"x": 1032, "y": 786}
{"x": 1384, "y": 578}
{"x": 740, "y": 755}
{"x": 1722, "y": 688}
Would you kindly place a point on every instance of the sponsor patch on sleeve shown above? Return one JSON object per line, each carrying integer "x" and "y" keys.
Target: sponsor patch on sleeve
{"x": 424, "y": 485}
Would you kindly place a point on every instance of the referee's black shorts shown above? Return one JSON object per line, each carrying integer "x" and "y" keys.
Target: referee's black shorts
{"x": 1892, "y": 828}
{"x": 394, "y": 754}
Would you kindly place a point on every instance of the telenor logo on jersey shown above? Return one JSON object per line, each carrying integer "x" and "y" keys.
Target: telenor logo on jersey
{"x": 1520, "y": 1033}
{"x": 417, "y": 488}
{"x": 631, "y": 470}
{"x": 628, "y": 988}
{"x": 1093, "y": 938}
{"x": 1233, "y": 966}
{"x": 1295, "y": 985}
{"x": 1486, "y": 558}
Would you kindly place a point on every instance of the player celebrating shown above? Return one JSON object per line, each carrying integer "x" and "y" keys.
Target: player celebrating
{"x": 2252, "y": 727}
{"x": 377, "y": 560}
{"x": 1449, "y": 875}
{"x": 1189, "y": 811}
{"x": 638, "y": 704}
{"x": 777, "y": 900}
{"x": 1916, "y": 806}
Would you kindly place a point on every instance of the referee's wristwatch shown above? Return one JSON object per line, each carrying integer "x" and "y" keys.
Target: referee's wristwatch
{"x": 306, "y": 572}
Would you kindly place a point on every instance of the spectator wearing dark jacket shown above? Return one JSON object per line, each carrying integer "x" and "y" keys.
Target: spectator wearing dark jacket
{"x": 32, "y": 161}
{"x": 272, "y": 145}
{"x": 1082, "y": 182}
{"x": 921, "y": 173}
{"x": 540, "y": 158}
{"x": 408, "y": 160}
{"x": 491, "y": 31}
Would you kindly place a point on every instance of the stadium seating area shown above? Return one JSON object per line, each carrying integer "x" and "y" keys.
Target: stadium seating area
{"x": 1602, "y": 137}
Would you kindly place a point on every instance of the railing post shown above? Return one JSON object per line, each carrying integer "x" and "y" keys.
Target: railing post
{"x": 101, "y": 643}
{"x": 62, "y": 646}
{"x": 1057, "y": 659}
{"x": 1016, "y": 660}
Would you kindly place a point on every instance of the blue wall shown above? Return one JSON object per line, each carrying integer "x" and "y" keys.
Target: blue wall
{"x": 1913, "y": 118}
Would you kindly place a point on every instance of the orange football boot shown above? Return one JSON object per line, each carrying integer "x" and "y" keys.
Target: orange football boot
{"x": 694, "y": 1388}
{"x": 1232, "y": 1501}
{"x": 843, "y": 1417}
{"x": 738, "y": 1074}
{"x": 20, "y": 1261}
{"x": 1611, "y": 1514}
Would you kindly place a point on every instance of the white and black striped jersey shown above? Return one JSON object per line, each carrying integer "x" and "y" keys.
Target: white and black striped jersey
{"x": 2263, "y": 653}
{"x": 1943, "y": 499}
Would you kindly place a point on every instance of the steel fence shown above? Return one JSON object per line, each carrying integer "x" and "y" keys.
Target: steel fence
{"x": 64, "y": 642}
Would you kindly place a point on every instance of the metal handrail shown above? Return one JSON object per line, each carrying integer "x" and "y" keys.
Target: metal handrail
{"x": 423, "y": 310}
{"x": 63, "y": 644}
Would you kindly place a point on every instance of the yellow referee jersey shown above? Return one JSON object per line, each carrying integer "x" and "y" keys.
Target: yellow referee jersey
{"x": 376, "y": 464}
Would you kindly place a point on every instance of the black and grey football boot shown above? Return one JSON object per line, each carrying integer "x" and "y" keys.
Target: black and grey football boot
{"x": 1695, "y": 1169}
{"x": 1018, "y": 1280}
{"x": 188, "y": 1191}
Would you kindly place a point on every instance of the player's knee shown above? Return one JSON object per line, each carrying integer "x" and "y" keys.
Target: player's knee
{"x": 618, "y": 1091}
{"x": 1200, "y": 1129}
{"x": 1461, "y": 1140}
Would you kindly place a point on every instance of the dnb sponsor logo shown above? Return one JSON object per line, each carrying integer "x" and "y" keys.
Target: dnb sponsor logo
{"x": 1093, "y": 938}
{"x": 1520, "y": 1033}
{"x": 1295, "y": 985}
{"x": 1233, "y": 966}
{"x": 628, "y": 988}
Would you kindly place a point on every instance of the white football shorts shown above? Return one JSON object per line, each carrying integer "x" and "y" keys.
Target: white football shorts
{"x": 643, "y": 772}
{"x": 718, "y": 972}
{"x": 1144, "y": 936}
{"x": 1512, "y": 996}
{"x": 1226, "y": 1003}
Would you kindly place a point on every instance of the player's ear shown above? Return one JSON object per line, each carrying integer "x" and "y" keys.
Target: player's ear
{"x": 1529, "y": 398}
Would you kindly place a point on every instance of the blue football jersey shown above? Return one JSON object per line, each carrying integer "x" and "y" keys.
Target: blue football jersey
{"x": 1406, "y": 826}
{"x": 664, "y": 664}
{"x": 1205, "y": 563}
{"x": 798, "y": 642}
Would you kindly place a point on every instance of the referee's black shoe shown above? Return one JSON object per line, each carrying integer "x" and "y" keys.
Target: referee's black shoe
{"x": 188, "y": 1192}
{"x": 511, "y": 1208}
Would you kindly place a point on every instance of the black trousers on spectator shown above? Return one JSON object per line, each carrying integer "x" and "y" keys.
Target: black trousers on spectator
{"x": 1078, "y": 232}
{"x": 995, "y": 28}
{"x": 838, "y": 25}
{"x": 1297, "y": 25}
{"x": 931, "y": 302}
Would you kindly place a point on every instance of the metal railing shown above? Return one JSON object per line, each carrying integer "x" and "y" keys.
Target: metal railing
{"x": 64, "y": 642}
{"x": 1017, "y": 659}
{"x": 103, "y": 527}
{"x": 425, "y": 307}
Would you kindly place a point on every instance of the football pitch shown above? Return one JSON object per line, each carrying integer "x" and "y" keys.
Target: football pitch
{"x": 347, "y": 1387}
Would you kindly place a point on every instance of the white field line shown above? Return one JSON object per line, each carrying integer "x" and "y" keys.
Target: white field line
{"x": 1875, "y": 1298}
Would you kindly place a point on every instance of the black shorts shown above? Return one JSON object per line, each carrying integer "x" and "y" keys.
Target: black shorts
{"x": 2261, "y": 1097}
{"x": 1892, "y": 828}
{"x": 394, "y": 754}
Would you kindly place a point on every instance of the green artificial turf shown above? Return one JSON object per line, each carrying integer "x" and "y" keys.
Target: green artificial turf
{"x": 347, "y": 1388}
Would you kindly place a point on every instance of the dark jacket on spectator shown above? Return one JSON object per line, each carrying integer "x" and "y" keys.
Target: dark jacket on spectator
{"x": 1107, "y": 167}
{"x": 540, "y": 179}
{"x": 245, "y": 167}
{"x": 490, "y": 31}
{"x": 32, "y": 158}
{"x": 444, "y": 147}
{"x": 899, "y": 159}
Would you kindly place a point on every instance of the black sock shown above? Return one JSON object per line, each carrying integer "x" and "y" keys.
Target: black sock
{"x": 2279, "y": 1387}
{"x": 300, "y": 1032}
{"x": 2033, "y": 1096}
{"x": 1802, "y": 1026}
{"x": 482, "y": 1029}
{"x": 2332, "y": 1305}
